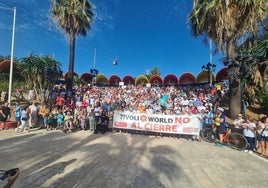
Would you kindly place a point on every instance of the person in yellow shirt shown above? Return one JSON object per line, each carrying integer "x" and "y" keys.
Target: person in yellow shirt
{"x": 218, "y": 89}
{"x": 44, "y": 113}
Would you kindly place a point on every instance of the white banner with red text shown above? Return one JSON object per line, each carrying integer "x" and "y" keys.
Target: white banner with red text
{"x": 173, "y": 124}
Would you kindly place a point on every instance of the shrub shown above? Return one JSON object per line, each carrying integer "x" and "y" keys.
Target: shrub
{"x": 263, "y": 98}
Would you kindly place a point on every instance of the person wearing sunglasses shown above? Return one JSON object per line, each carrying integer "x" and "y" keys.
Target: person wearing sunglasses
{"x": 237, "y": 124}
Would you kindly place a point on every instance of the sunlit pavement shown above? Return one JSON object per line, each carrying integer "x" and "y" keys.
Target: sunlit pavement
{"x": 83, "y": 159}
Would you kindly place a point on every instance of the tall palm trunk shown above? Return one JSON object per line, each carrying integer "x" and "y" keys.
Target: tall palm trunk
{"x": 71, "y": 62}
{"x": 235, "y": 95}
{"x": 234, "y": 81}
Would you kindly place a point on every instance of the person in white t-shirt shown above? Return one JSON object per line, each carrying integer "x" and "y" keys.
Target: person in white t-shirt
{"x": 33, "y": 121}
{"x": 249, "y": 133}
{"x": 237, "y": 124}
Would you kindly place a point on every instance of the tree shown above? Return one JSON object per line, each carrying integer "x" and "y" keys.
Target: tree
{"x": 227, "y": 23}
{"x": 258, "y": 80}
{"x": 17, "y": 80}
{"x": 78, "y": 81}
{"x": 154, "y": 71}
{"x": 40, "y": 74}
{"x": 75, "y": 18}
{"x": 2, "y": 58}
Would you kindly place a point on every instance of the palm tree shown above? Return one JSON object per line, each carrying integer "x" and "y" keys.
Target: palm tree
{"x": 154, "y": 71}
{"x": 226, "y": 22}
{"x": 75, "y": 18}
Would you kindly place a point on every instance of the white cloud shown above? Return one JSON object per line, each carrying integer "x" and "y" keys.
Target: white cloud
{"x": 30, "y": 2}
{"x": 103, "y": 20}
{"x": 179, "y": 8}
{"x": 4, "y": 27}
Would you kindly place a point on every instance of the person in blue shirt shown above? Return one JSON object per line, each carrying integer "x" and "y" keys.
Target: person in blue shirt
{"x": 18, "y": 110}
{"x": 208, "y": 117}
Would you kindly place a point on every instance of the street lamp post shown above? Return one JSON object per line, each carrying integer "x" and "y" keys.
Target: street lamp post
{"x": 210, "y": 68}
{"x": 12, "y": 53}
{"x": 94, "y": 72}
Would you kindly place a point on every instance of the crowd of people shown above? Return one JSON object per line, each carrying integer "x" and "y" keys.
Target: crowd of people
{"x": 92, "y": 108}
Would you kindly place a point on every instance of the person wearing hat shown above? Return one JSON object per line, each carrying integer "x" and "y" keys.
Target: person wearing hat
{"x": 220, "y": 124}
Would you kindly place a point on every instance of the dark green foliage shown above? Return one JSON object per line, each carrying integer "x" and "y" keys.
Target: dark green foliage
{"x": 263, "y": 97}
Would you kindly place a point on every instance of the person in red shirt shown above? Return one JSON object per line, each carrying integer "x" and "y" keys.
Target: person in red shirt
{"x": 60, "y": 102}
{"x": 83, "y": 104}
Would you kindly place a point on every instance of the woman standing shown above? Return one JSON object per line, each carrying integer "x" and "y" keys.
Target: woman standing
{"x": 249, "y": 132}
{"x": 263, "y": 130}
{"x": 82, "y": 118}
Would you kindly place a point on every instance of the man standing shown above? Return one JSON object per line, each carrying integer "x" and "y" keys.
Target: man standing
{"x": 33, "y": 115}
{"x": 60, "y": 102}
{"x": 2, "y": 119}
{"x": 18, "y": 110}
{"x": 6, "y": 111}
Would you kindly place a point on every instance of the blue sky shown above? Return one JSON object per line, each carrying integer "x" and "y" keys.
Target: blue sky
{"x": 142, "y": 34}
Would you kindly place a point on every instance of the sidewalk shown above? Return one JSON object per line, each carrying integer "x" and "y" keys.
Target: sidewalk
{"x": 83, "y": 159}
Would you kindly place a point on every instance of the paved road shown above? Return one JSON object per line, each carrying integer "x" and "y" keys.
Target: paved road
{"x": 83, "y": 159}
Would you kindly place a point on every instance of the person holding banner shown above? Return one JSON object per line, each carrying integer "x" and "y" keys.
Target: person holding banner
{"x": 208, "y": 117}
{"x": 141, "y": 106}
{"x": 157, "y": 107}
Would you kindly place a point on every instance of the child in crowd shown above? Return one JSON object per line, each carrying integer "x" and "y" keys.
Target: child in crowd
{"x": 50, "y": 121}
{"x": 60, "y": 118}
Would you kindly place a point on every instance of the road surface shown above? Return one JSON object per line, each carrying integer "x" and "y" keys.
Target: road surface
{"x": 52, "y": 159}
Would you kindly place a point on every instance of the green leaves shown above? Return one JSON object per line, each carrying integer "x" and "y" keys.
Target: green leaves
{"x": 73, "y": 16}
{"x": 40, "y": 71}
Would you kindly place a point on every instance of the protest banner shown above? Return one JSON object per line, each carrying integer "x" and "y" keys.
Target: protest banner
{"x": 173, "y": 124}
